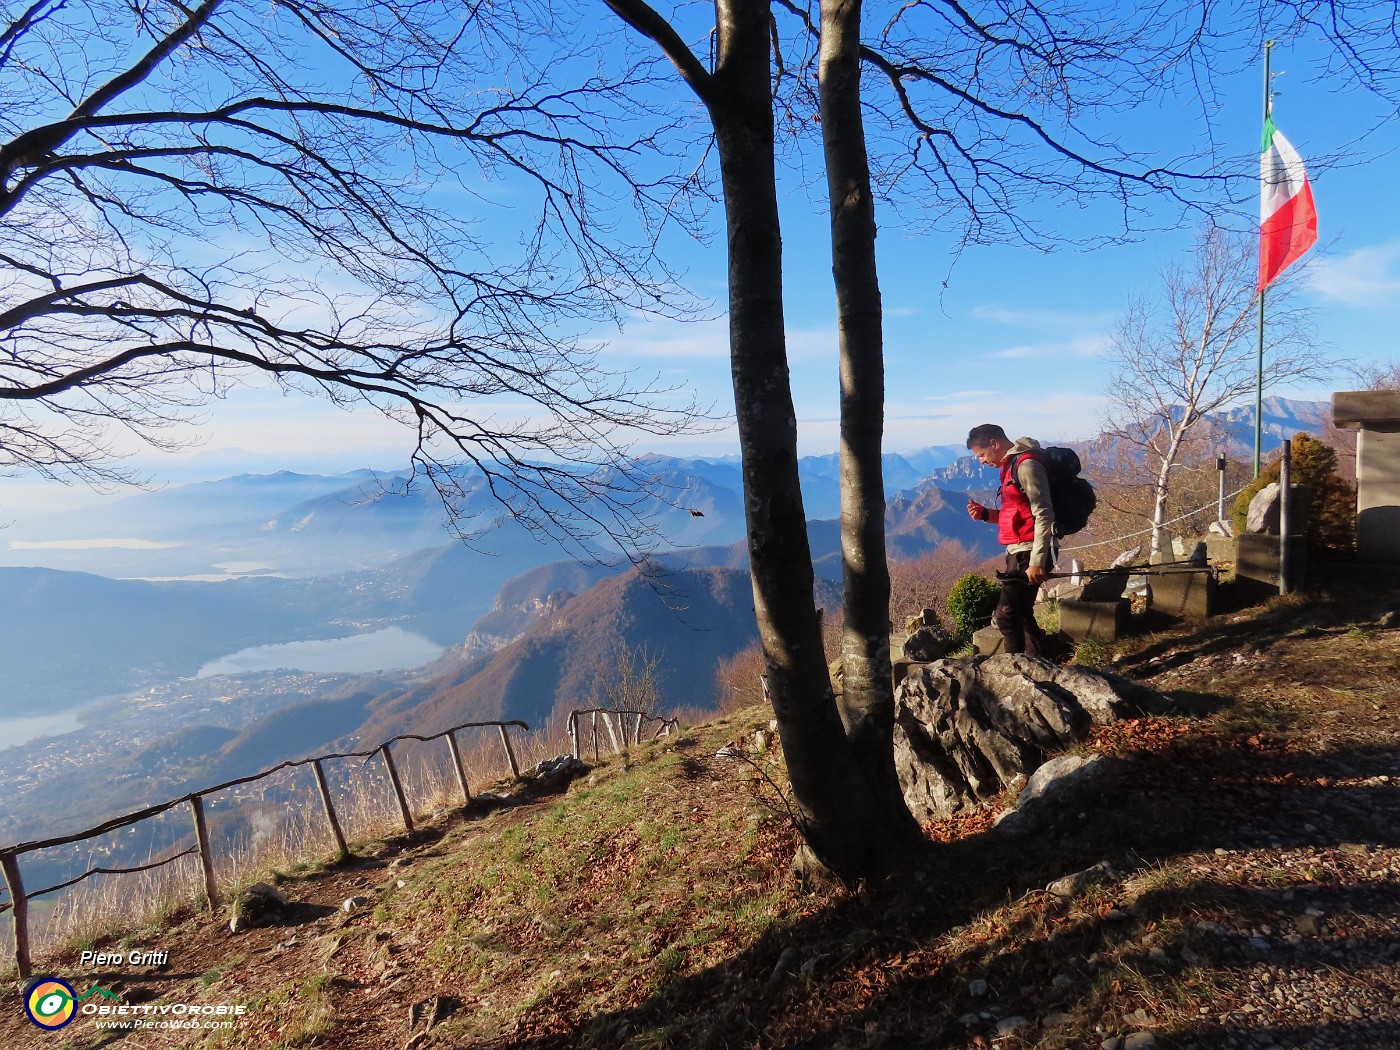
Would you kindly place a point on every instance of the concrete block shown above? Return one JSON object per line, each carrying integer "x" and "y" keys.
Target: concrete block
{"x": 1183, "y": 595}
{"x": 1376, "y": 414}
{"x": 1378, "y": 495}
{"x": 987, "y": 641}
{"x": 1220, "y": 548}
{"x": 1362, "y": 408}
{"x": 899, "y": 671}
{"x": 1095, "y": 621}
{"x": 1256, "y": 558}
{"x": 1257, "y": 569}
{"x": 1107, "y": 587}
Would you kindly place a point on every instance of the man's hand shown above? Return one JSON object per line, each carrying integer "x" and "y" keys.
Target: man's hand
{"x": 976, "y": 511}
{"x": 1035, "y": 575}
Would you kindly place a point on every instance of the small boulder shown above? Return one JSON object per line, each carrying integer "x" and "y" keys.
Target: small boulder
{"x": 1263, "y": 514}
{"x": 1007, "y": 1025}
{"x": 1057, "y": 774}
{"x": 556, "y": 772}
{"x": 258, "y": 905}
{"x": 1073, "y": 886}
{"x": 928, "y": 644}
{"x": 967, "y": 728}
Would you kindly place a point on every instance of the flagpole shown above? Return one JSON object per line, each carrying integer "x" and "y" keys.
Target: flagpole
{"x": 1259, "y": 366}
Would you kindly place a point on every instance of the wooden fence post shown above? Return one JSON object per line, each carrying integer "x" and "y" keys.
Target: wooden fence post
{"x": 331, "y": 818}
{"x": 461, "y": 769}
{"x": 398, "y": 787}
{"x": 637, "y": 729}
{"x": 20, "y": 906}
{"x": 593, "y": 719}
{"x": 612, "y": 731}
{"x": 206, "y": 858}
{"x": 575, "y": 745}
{"x": 510, "y": 752}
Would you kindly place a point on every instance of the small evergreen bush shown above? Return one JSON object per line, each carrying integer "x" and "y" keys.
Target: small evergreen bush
{"x": 1331, "y": 501}
{"x": 971, "y": 602}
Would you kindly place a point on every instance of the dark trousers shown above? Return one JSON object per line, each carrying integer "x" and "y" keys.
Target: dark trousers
{"x": 1015, "y": 612}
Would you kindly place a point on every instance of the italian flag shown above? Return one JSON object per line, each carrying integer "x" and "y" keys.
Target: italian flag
{"x": 1287, "y": 216}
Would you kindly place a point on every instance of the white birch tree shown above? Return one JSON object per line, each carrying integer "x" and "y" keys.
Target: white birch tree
{"x": 1192, "y": 350}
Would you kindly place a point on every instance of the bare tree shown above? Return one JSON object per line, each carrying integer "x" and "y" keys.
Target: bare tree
{"x": 867, "y": 691}
{"x": 849, "y": 826}
{"x": 193, "y": 197}
{"x": 924, "y": 582}
{"x": 739, "y": 679}
{"x": 1177, "y": 361}
{"x": 985, "y": 116}
{"x": 1377, "y": 375}
{"x": 628, "y": 679}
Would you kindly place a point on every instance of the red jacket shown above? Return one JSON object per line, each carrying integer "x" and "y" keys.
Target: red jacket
{"x": 1015, "y": 521}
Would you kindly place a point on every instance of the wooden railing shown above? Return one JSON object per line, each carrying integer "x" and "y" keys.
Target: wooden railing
{"x": 618, "y": 723}
{"x": 20, "y": 897}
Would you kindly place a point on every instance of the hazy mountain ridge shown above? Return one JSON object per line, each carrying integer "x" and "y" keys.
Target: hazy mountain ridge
{"x": 690, "y": 618}
{"x": 529, "y": 653}
{"x": 133, "y": 631}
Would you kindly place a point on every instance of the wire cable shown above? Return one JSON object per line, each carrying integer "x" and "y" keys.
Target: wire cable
{"x": 1151, "y": 528}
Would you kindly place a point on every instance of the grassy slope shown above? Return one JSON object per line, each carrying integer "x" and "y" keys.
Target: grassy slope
{"x": 649, "y": 907}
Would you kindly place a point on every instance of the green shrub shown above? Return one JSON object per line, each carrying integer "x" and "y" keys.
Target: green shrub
{"x": 1330, "y": 500}
{"x": 971, "y": 602}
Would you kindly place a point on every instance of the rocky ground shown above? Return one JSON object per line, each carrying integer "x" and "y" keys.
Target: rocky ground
{"x": 1228, "y": 881}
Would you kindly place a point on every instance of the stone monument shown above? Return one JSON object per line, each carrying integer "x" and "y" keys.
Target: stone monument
{"x": 1375, "y": 415}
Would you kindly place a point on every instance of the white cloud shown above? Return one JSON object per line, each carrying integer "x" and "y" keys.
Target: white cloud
{"x": 945, "y": 419}
{"x": 705, "y": 339}
{"x": 1083, "y": 346}
{"x": 1053, "y": 320}
{"x": 1024, "y": 350}
{"x": 1367, "y": 277}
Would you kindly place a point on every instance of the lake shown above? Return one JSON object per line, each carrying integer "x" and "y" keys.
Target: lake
{"x": 389, "y": 649}
{"x": 15, "y": 731}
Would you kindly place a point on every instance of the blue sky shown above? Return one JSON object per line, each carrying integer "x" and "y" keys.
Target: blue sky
{"x": 1005, "y": 334}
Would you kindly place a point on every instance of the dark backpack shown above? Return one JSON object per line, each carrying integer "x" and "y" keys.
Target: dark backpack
{"x": 1071, "y": 495}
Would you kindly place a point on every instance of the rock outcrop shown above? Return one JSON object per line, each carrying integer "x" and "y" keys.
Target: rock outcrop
{"x": 966, "y": 728}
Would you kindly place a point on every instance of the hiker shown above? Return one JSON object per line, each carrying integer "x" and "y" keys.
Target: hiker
{"x": 1025, "y": 527}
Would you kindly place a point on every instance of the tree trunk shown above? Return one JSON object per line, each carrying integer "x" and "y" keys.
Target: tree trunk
{"x": 1159, "y": 512}
{"x": 846, "y": 826}
{"x": 867, "y": 700}
{"x": 1161, "y": 488}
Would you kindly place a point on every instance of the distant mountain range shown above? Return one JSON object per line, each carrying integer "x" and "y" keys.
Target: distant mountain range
{"x": 73, "y": 635}
{"x": 523, "y": 631}
{"x": 304, "y": 525}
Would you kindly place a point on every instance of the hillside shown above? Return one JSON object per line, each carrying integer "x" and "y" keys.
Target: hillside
{"x": 690, "y": 618}
{"x": 1247, "y": 899}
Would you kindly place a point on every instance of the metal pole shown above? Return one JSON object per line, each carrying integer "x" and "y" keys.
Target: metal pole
{"x": 1220, "y": 499}
{"x": 1259, "y": 392}
{"x": 1259, "y": 368}
{"x": 1285, "y": 513}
